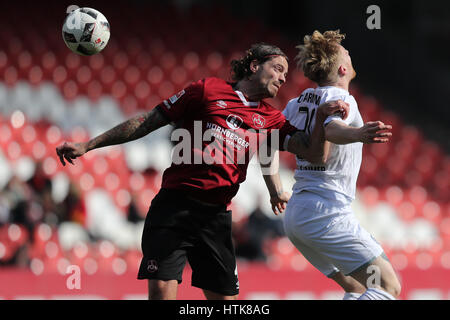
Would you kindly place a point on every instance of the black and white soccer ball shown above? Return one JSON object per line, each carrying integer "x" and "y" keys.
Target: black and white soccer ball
{"x": 86, "y": 31}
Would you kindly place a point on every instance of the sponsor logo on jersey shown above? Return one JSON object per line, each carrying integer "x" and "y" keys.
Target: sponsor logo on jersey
{"x": 177, "y": 96}
{"x": 311, "y": 168}
{"x": 221, "y": 104}
{"x": 230, "y": 137}
{"x": 234, "y": 122}
{"x": 258, "y": 121}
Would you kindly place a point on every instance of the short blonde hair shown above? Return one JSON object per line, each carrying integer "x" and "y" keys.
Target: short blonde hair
{"x": 317, "y": 57}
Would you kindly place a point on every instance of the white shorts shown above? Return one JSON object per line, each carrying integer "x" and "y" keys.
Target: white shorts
{"x": 328, "y": 234}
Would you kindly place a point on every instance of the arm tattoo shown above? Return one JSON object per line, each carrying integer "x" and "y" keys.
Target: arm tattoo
{"x": 132, "y": 129}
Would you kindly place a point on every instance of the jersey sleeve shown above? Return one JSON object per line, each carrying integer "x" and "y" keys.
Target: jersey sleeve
{"x": 285, "y": 131}
{"x": 187, "y": 102}
{"x": 352, "y": 112}
{"x": 287, "y": 112}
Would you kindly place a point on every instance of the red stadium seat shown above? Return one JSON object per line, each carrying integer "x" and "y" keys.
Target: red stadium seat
{"x": 432, "y": 211}
{"x": 11, "y": 76}
{"x": 49, "y": 64}
{"x": 411, "y": 135}
{"x": 381, "y": 152}
{"x": 3, "y": 62}
{"x": 119, "y": 90}
{"x": 370, "y": 196}
{"x": 392, "y": 119}
{"x": 13, "y": 151}
{"x": 445, "y": 259}
{"x": 130, "y": 105}
{"x": 131, "y": 76}
{"x": 59, "y": 76}
{"x": 179, "y": 76}
{"x": 214, "y": 62}
{"x": 417, "y": 195}
{"x": 35, "y": 76}
{"x": 94, "y": 90}
{"x": 72, "y": 63}
{"x": 70, "y": 90}
{"x": 369, "y": 167}
{"x": 107, "y": 77}
{"x": 369, "y": 109}
{"x": 167, "y": 62}
{"x": 24, "y": 63}
{"x": 83, "y": 76}
{"x": 120, "y": 62}
{"x": 407, "y": 210}
{"x": 142, "y": 92}
{"x": 97, "y": 63}
{"x": 166, "y": 90}
{"x": 397, "y": 170}
{"x": 143, "y": 61}
{"x": 394, "y": 195}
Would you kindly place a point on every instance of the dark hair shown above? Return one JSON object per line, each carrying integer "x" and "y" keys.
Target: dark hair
{"x": 240, "y": 69}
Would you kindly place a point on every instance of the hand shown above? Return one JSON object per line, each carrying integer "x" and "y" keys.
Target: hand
{"x": 279, "y": 201}
{"x": 70, "y": 151}
{"x": 334, "y": 107}
{"x": 375, "y": 132}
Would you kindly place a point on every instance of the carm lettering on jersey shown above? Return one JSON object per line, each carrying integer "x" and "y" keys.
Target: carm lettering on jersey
{"x": 310, "y": 97}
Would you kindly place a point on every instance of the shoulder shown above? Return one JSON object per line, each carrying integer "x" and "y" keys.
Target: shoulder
{"x": 267, "y": 107}
{"x": 270, "y": 112}
{"x": 213, "y": 82}
{"x": 336, "y": 93}
{"x": 350, "y": 99}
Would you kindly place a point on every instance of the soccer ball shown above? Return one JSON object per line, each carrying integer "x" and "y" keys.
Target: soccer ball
{"x": 86, "y": 31}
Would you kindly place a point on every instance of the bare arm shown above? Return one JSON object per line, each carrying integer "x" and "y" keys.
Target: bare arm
{"x": 270, "y": 171}
{"x": 315, "y": 148}
{"x": 132, "y": 129}
{"x": 372, "y": 132}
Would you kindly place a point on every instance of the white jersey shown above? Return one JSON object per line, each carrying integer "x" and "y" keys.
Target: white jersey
{"x": 336, "y": 179}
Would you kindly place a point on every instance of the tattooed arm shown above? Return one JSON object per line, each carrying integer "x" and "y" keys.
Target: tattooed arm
{"x": 132, "y": 129}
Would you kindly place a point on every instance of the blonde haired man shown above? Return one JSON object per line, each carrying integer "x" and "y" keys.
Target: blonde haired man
{"x": 318, "y": 219}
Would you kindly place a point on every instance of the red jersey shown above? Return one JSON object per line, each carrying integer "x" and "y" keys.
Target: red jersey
{"x": 220, "y": 132}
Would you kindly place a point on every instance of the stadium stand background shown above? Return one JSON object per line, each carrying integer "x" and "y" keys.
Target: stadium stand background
{"x": 91, "y": 215}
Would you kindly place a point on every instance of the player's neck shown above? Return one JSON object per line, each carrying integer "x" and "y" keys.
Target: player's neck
{"x": 249, "y": 90}
{"x": 343, "y": 84}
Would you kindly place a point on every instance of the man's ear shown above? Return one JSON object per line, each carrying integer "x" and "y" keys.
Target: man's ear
{"x": 342, "y": 71}
{"x": 254, "y": 66}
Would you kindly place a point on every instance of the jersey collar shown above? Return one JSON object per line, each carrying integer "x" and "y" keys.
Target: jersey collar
{"x": 245, "y": 102}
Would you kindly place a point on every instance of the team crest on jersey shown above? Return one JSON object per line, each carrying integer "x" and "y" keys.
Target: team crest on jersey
{"x": 258, "y": 121}
{"x": 152, "y": 266}
{"x": 234, "y": 122}
{"x": 175, "y": 97}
